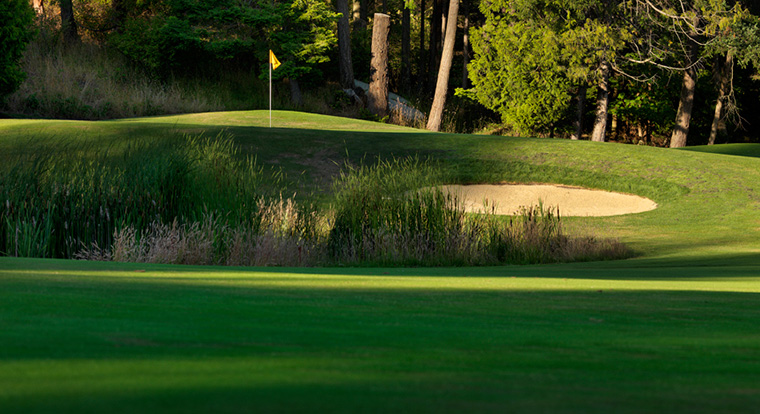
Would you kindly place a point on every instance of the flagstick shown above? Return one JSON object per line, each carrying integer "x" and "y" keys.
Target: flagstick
{"x": 270, "y": 90}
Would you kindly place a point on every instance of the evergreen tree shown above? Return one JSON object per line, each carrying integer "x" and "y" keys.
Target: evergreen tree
{"x": 17, "y": 17}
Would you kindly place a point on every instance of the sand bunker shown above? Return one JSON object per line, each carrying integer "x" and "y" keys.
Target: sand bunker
{"x": 572, "y": 201}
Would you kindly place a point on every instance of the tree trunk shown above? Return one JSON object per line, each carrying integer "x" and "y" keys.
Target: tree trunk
{"x": 466, "y": 44}
{"x": 686, "y": 103}
{"x": 406, "y": 70}
{"x": 602, "y": 104}
{"x": 355, "y": 11}
{"x": 725, "y": 73}
{"x": 295, "y": 93}
{"x": 363, "y": 14}
{"x": 421, "y": 68}
{"x": 39, "y": 6}
{"x": 444, "y": 11}
{"x": 378, "y": 88}
{"x": 441, "y": 87}
{"x": 344, "y": 47}
{"x": 435, "y": 34}
{"x": 68, "y": 25}
{"x": 579, "y": 112}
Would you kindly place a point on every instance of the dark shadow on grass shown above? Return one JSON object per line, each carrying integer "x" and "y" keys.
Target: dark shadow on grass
{"x": 742, "y": 150}
{"x": 718, "y": 266}
{"x": 289, "y": 147}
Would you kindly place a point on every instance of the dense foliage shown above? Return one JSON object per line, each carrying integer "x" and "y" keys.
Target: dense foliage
{"x": 181, "y": 36}
{"x": 530, "y": 56}
{"x": 534, "y": 57}
{"x": 15, "y": 32}
{"x": 537, "y": 67}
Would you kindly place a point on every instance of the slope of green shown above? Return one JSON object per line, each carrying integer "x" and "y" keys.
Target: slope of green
{"x": 707, "y": 202}
{"x": 674, "y": 330}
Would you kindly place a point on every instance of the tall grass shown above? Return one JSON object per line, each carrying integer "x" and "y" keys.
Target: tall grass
{"x": 195, "y": 200}
{"x": 86, "y": 81}
{"x": 392, "y": 213}
{"x": 66, "y": 202}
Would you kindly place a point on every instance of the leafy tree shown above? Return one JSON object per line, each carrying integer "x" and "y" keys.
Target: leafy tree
{"x": 17, "y": 17}
{"x": 689, "y": 32}
{"x": 177, "y": 36}
{"x": 302, "y": 33}
{"x": 516, "y": 73}
{"x": 531, "y": 55}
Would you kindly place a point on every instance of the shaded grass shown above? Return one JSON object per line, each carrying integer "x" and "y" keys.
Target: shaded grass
{"x": 706, "y": 201}
{"x": 743, "y": 150}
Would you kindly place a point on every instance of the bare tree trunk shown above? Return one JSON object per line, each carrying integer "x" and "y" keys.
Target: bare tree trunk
{"x": 344, "y": 47}
{"x": 602, "y": 104}
{"x": 435, "y": 35}
{"x": 441, "y": 87}
{"x": 579, "y": 112}
{"x": 378, "y": 88}
{"x": 421, "y": 68}
{"x": 363, "y": 14}
{"x": 355, "y": 11}
{"x": 406, "y": 70}
{"x": 39, "y": 6}
{"x": 686, "y": 103}
{"x": 466, "y": 44}
{"x": 725, "y": 73}
{"x": 444, "y": 11}
{"x": 68, "y": 25}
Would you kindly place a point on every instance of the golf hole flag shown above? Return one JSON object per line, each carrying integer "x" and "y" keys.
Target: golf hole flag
{"x": 273, "y": 60}
{"x": 273, "y": 64}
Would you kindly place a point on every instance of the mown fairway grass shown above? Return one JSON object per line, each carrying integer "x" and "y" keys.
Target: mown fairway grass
{"x": 674, "y": 330}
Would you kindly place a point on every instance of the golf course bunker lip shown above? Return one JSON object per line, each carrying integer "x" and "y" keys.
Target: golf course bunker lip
{"x": 508, "y": 199}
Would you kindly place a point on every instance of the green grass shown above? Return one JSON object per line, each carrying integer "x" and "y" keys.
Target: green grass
{"x": 93, "y": 337}
{"x": 674, "y": 330}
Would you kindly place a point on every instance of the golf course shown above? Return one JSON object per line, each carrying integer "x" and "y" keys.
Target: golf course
{"x": 674, "y": 328}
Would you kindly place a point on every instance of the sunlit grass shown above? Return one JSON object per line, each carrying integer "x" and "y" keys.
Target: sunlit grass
{"x": 89, "y": 337}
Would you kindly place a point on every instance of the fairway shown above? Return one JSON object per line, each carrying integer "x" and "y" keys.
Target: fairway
{"x": 673, "y": 330}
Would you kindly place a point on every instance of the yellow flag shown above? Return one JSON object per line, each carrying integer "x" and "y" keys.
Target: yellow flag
{"x": 273, "y": 60}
